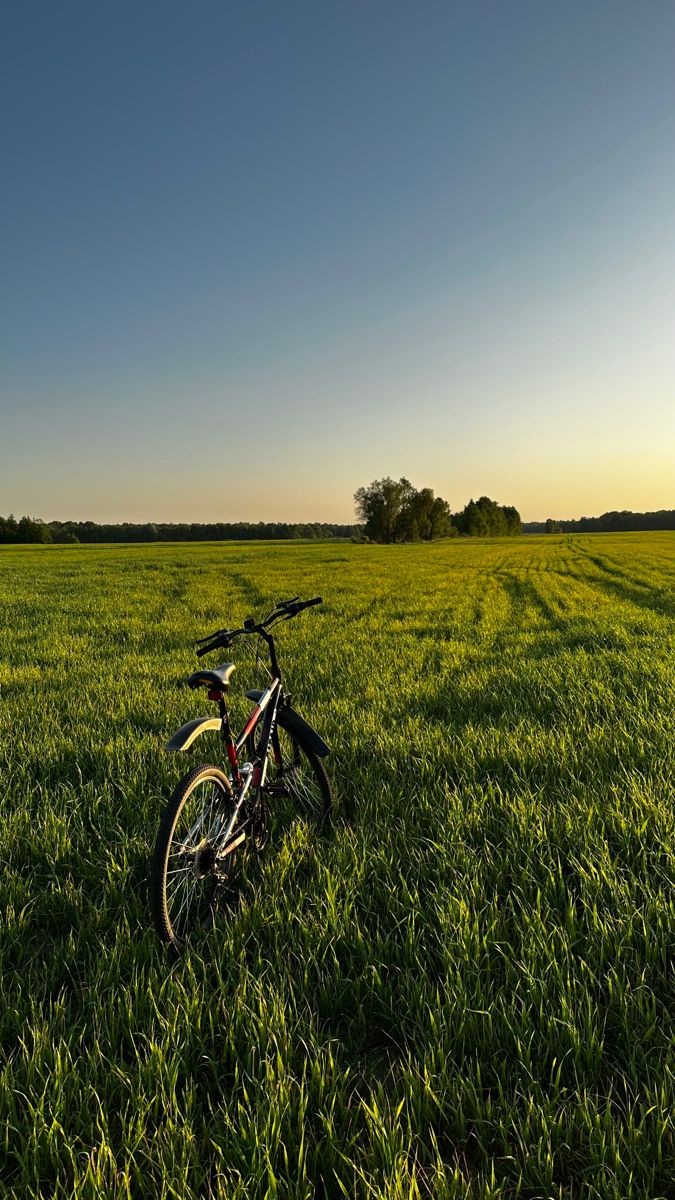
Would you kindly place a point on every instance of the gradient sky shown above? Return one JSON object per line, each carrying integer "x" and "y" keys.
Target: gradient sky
{"x": 257, "y": 254}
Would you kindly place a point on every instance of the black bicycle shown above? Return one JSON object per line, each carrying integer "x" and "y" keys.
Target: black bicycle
{"x": 213, "y": 813}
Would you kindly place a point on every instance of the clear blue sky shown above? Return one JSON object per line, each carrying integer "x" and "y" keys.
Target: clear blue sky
{"x": 257, "y": 254}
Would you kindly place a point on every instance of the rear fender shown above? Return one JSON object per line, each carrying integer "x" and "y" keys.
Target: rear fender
{"x": 290, "y": 720}
{"x": 185, "y": 736}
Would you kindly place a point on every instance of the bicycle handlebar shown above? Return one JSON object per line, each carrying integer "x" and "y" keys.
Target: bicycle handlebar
{"x": 202, "y": 650}
{"x": 291, "y": 608}
{"x": 283, "y": 611}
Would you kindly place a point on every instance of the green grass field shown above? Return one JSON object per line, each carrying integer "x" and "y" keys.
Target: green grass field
{"x": 464, "y": 990}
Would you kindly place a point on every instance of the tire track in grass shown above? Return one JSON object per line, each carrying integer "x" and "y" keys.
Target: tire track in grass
{"x": 583, "y": 620}
{"x": 495, "y": 701}
{"x": 629, "y": 587}
{"x": 510, "y": 617}
{"x": 644, "y": 600}
{"x": 489, "y": 694}
{"x": 527, "y": 596}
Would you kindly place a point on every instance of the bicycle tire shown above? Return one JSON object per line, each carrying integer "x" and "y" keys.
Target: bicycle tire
{"x": 195, "y": 855}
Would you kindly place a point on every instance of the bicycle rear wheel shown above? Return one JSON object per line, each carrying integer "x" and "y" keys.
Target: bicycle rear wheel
{"x": 188, "y": 865}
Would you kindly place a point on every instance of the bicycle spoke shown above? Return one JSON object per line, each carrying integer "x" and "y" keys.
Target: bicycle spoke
{"x": 297, "y": 775}
{"x": 308, "y": 794}
{"x": 184, "y": 907}
{"x": 192, "y": 869}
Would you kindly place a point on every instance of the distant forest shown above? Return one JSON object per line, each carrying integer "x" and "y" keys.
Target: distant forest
{"x": 609, "y": 522}
{"x": 424, "y": 518}
{"x": 31, "y": 529}
{"x": 390, "y": 511}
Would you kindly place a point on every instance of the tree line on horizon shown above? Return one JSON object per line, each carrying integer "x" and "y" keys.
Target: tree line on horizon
{"x": 33, "y": 530}
{"x": 422, "y": 517}
{"x": 392, "y": 510}
{"x": 609, "y": 522}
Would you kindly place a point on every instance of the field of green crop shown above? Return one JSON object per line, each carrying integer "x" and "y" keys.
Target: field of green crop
{"x": 464, "y": 989}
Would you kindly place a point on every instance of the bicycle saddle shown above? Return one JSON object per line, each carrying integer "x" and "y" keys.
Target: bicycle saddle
{"x": 218, "y": 678}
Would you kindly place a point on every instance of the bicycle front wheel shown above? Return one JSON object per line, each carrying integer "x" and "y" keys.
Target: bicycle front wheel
{"x": 189, "y": 865}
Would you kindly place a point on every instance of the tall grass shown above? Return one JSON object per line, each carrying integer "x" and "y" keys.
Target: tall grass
{"x": 464, "y": 990}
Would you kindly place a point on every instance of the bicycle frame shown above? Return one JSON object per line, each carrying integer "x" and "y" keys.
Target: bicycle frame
{"x": 268, "y": 704}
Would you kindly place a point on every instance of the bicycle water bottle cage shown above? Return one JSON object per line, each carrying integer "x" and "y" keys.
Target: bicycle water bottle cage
{"x": 219, "y": 679}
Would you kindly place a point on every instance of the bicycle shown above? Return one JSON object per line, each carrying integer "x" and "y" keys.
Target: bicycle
{"x": 211, "y": 813}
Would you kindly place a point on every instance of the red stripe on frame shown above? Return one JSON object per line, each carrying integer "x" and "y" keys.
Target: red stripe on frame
{"x": 251, "y": 721}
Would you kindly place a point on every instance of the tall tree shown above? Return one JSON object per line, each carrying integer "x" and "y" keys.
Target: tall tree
{"x": 486, "y": 518}
{"x": 395, "y": 511}
{"x": 425, "y": 517}
{"x": 380, "y": 506}
{"x": 514, "y": 524}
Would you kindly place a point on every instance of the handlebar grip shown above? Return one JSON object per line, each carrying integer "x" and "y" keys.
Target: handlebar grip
{"x": 207, "y": 649}
{"x": 316, "y": 600}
